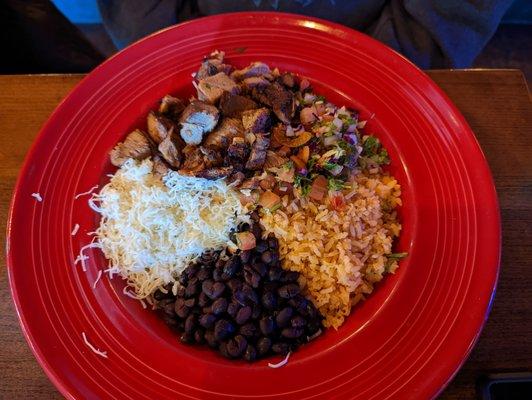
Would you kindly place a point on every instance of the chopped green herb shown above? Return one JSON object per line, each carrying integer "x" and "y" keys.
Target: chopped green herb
{"x": 373, "y": 150}
{"x": 303, "y": 183}
{"x": 240, "y": 49}
{"x": 275, "y": 208}
{"x": 394, "y": 257}
{"x": 321, "y": 98}
{"x": 397, "y": 256}
{"x": 287, "y": 166}
{"x": 329, "y": 166}
{"x": 337, "y": 184}
{"x": 312, "y": 161}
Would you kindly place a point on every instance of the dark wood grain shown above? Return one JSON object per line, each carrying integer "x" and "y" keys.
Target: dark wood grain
{"x": 496, "y": 104}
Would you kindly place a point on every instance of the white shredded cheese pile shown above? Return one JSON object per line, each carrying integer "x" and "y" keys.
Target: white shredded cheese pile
{"x": 151, "y": 229}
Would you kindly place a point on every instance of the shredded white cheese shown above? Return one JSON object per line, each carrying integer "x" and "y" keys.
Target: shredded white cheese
{"x": 94, "y": 349}
{"x": 75, "y": 229}
{"x": 37, "y": 196}
{"x": 280, "y": 364}
{"x": 151, "y": 229}
{"x": 82, "y": 257}
{"x": 92, "y": 189}
{"x": 97, "y": 279}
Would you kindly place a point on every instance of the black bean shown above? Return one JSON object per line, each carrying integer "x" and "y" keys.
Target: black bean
{"x": 273, "y": 243}
{"x": 217, "y": 275}
{"x": 252, "y": 278}
{"x": 210, "y": 339}
{"x": 232, "y": 309}
{"x": 267, "y": 325}
{"x": 191, "y": 271}
{"x": 181, "y": 309}
{"x": 169, "y": 309}
{"x": 243, "y": 315}
{"x": 212, "y": 289}
{"x": 283, "y": 318}
{"x": 207, "y": 320}
{"x": 236, "y": 346}
{"x": 180, "y": 291}
{"x": 219, "y": 306}
{"x": 248, "y": 330}
{"x": 183, "y": 280}
{"x": 169, "y": 321}
{"x": 203, "y": 274}
{"x": 257, "y": 311}
{"x": 158, "y": 295}
{"x": 250, "y": 293}
{"x": 190, "y": 323}
{"x": 263, "y": 345}
{"x": 245, "y": 255}
{"x": 298, "y": 321}
{"x": 223, "y": 329}
{"x": 289, "y": 291}
{"x": 203, "y": 299}
{"x": 266, "y": 257}
{"x": 261, "y": 246}
{"x": 192, "y": 287}
{"x": 292, "y": 333}
{"x": 280, "y": 348}
{"x": 199, "y": 336}
{"x": 190, "y": 302}
{"x": 222, "y": 348}
{"x": 269, "y": 300}
{"x": 230, "y": 268}
{"x": 260, "y": 268}
{"x": 217, "y": 290}
{"x": 275, "y": 274}
{"x": 256, "y": 230}
{"x": 219, "y": 263}
{"x": 250, "y": 354}
{"x": 187, "y": 337}
{"x": 241, "y": 297}
{"x": 289, "y": 276}
{"x": 234, "y": 284}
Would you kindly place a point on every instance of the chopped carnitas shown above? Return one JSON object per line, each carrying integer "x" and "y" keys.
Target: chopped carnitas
{"x": 268, "y": 199}
{"x": 318, "y": 190}
{"x": 245, "y": 240}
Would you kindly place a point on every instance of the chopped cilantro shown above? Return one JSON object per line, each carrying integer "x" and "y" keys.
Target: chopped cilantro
{"x": 329, "y": 166}
{"x": 337, "y": 184}
{"x": 240, "y": 49}
{"x": 287, "y": 166}
{"x": 275, "y": 208}
{"x": 393, "y": 258}
{"x": 397, "y": 256}
{"x": 303, "y": 182}
{"x": 373, "y": 150}
{"x": 321, "y": 98}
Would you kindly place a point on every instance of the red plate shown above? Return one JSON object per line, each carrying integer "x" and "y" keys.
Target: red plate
{"x": 405, "y": 341}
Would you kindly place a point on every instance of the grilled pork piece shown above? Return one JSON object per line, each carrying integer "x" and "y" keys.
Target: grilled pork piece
{"x": 171, "y": 107}
{"x": 197, "y": 119}
{"x": 254, "y": 69}
{"x": 211, "y": 88}
{"x": 280, "y": 99}
{"x": 258, "y": 152}
{"x": 136, "y": 146}
{"x": 256, "y": 120}
{"x": 232, "y": 105}
{"x": 224, "y": 133}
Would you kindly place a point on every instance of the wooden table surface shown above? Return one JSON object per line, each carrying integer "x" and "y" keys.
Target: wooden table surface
{"x": 497, "y": 105}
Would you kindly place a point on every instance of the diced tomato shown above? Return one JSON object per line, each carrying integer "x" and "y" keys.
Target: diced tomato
{"x": 245, "y": 240}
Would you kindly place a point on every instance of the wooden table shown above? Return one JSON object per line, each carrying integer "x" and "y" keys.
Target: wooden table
{"x": 496, "y": 104}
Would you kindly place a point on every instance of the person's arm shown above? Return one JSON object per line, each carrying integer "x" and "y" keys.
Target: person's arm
{"x": 128, "y": 21}
{"x": 436, "y": 33}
